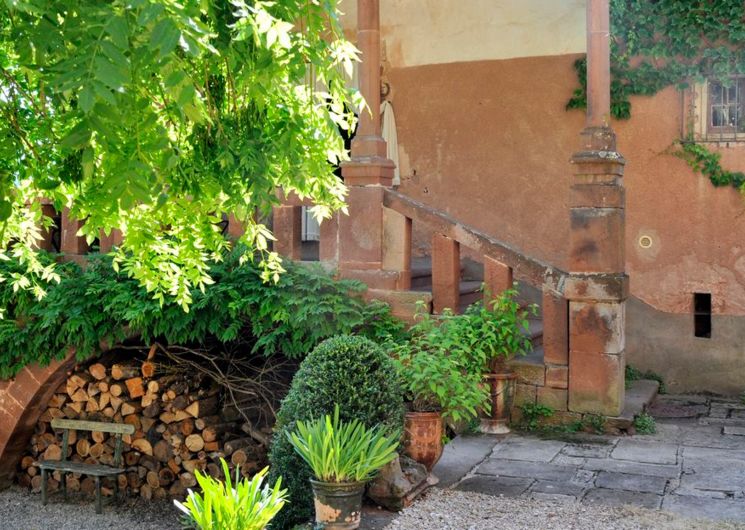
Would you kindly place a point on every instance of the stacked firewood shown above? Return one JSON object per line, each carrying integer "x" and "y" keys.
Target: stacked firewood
{"x": 181, "y": 425}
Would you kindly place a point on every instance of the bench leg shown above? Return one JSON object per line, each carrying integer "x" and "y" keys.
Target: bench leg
{"x": 116, "y": 489}
{"x": 63, "y": 481}
{"x": 99, "y": 504}
{"x": 44, "y": 487}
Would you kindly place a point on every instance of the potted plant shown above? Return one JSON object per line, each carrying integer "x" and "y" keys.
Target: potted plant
{"x": 343, "y": 457}
{"x": 438, "y": 384}
{"x": 250, "y": 505}
{"x": 491, "y": 335}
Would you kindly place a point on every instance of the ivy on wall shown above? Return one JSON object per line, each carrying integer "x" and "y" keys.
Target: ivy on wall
{"x": 665, "y": 43}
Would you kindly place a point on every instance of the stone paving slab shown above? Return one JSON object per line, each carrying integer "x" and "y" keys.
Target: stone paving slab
{"x": 691, "y": 466}
{"x": 624, "y": 481}
{"x": 698, "y": 507}
{"x": 634, "y": 468}
{"x": 644, "y": 451}
{"x": 588, "y": 450}
{"x": 715, "y": 470}
{"x": 528, "y": 449}
{"x": 488, "y": 485}
{"x": 536, "y": 470}
{"x": 462, "y": 455}
{"x": 558, "y": 488}
{"x": 622, "y": 498}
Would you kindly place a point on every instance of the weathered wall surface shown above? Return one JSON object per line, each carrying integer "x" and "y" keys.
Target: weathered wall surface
{"x": 420, "y": 32}
{"x": 479, "y": 90}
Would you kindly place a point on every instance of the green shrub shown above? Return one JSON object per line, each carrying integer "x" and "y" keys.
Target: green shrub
{"x": 437, "y": 375}
{"x": 342, "y": 451}
{"x": 532, "y": 414}
{"x": 354, "y": 373}
{"x": 97, "y": 304}
{"x": 250, "y": 505}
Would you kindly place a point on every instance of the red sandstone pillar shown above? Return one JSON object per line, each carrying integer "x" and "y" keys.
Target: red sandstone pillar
{"x": 288, "y": 227}
{"x": 369, "y": 171}
{"x": 108, "y": 242}
{"x": 598, "y": 286}
{"x": 70, "y": 242}
{"x": 497, "y": 277}
{"x": 445, "y": 273}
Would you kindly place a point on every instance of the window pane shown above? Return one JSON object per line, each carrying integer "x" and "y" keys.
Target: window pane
{"x": 718, "y": 116}
{"x": 715, "y": 92}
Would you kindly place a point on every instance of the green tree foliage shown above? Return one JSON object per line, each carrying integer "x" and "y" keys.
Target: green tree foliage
{"x": 351, "y": 372}
{"x": 98, "y": 306}
{"x": 160, "y": 117}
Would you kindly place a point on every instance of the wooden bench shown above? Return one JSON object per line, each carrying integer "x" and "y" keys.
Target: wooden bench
{"x": 65, "y": 466}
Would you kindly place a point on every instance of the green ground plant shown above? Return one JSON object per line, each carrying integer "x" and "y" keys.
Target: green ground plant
{"x": 532, "y": 415}
{"x": 634, "y": 374}
{"x": 97, "y": 305}
{"x": 241, "y": 505}
{"x": 645, "y": 424}
{"x": 352, "y": 372}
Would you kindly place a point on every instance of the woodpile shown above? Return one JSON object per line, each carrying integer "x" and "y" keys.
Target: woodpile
{"x": 181, "y": 422}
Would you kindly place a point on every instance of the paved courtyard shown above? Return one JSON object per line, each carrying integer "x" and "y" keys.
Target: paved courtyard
{"x": 693, "y": 466}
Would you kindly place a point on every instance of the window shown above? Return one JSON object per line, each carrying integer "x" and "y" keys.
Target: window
{"x": 702, "y": 315}
{"x": 726, "y": 106}
{"x": 716, "y": 111}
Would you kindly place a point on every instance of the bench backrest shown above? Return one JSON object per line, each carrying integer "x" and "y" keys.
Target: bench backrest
{"x": 117, "y": 429}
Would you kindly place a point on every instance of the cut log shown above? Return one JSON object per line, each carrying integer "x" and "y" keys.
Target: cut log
{"x": 187, "y": 427}
{"x": 96, "y": 450}
{"x": 53, "y": 452}
{"x": 129, "y": 407}
{"x": 212, "y": 432}
{"x": 171, "y": 417}
{"x": 232, "y": 446}
{"x": 166, "y": 477}
{"x": 153, "y": 387}
{"x": 135, "y": 387}
{"x": 203, "y": 407}
{"x": 239, "y": 457}
{"x": 149, "y": 399}
{"x": 194, "y": 442}
{"x": 79, "y": 395}
{"x": 162, "y": 451}
{"x": 187, "y": 480}
{"x": 146, "y": 492}
{"x": 143, "y": 446}
{"x": 147, "y": 369}
{"x": 256, "y": 434}
{"x": 121, "y": 371}
{"x": 147, "y": 424}
{"x": 82, "y": 447}
{"x": 56, "y": 401}
{"x": 152, "y": 410}
{"x": 116, "y": 389}
{"x": 152, "y": 479}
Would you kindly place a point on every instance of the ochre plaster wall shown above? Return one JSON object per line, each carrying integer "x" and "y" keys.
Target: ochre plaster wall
{"x": 490, "y": 142}
{"x": 420, "y": 32}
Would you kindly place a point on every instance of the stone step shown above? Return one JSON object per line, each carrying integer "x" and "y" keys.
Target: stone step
{"x": 639, "y": 396}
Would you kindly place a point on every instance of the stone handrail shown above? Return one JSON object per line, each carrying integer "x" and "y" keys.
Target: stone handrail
{"x": 530, "y": 270}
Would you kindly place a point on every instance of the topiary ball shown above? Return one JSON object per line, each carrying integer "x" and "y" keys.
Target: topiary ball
{"x": 350, "y": 371}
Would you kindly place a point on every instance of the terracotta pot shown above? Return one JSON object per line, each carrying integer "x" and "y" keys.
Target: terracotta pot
{"x": 338, "y": 505}
{"x": 501, "y": 393}
{"x": 423, "y": 437}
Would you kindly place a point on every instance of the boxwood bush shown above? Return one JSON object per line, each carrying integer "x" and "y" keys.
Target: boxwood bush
{"x": 350, "y": 371}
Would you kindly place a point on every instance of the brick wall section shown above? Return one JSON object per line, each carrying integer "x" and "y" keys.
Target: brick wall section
{"x": 22, "y": 401}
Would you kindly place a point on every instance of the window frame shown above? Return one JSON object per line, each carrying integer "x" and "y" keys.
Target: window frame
{"x": 729, "y": 132}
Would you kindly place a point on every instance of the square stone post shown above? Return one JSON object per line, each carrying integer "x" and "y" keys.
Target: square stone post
{"x": 288, "y": 227}
{"x": 70, "y": 242}
{"x": 445, "y": 273}
{"x": 497, "y": 278}
{"x": 598, "y": 287}
{"x": 369, "y": 172}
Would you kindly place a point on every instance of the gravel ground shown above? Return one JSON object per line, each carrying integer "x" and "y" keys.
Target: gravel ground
{"x": 22, "y": 510}
{"x": 457, "y": 510}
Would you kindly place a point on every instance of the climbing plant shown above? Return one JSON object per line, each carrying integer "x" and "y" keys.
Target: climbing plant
{"x": 665, "y": 43}
{"x": 159, "y": 117}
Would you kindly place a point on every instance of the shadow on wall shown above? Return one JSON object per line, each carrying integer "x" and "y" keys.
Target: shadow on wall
{"x": 665, "y": 343}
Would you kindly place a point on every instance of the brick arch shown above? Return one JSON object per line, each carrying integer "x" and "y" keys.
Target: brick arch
{"x": 22, "y": 400}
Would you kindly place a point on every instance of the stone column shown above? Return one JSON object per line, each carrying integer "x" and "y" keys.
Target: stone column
{"x": 370, "y": 171}
{"x": 598, "y": 286}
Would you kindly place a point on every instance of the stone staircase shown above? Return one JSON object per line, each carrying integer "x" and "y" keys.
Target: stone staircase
{"x": 537, "y": 381}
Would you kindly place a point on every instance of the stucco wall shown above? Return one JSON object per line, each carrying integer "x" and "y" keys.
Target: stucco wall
{"x": 420, "y": 32}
